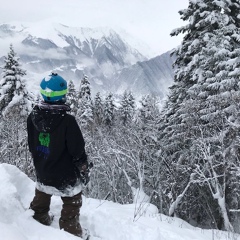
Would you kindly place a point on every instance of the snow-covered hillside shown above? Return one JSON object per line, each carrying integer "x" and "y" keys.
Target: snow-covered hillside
{"x": 105, "y": 220}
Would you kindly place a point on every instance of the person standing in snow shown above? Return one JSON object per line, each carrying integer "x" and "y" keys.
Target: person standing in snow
{"x": 58, "y": 150}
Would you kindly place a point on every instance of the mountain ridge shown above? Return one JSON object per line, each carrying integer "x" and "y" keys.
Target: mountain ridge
{"x": 101, "y": 53}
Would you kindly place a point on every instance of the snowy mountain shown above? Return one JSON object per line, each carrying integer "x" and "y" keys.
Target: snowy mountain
{"x": 111, "y": 63}
{"x": 104, "y": 219}
{"x": 153, "y": 76}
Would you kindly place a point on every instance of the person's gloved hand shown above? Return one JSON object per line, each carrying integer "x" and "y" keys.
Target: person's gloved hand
{"x": 85, "y": 172}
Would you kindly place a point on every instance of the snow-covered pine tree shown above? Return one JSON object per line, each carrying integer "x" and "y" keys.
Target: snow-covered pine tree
{"x": 15, "y": 105}
{"x": 232, "y": 196}
{"x": 202, "y": 105}
{"x": 217, "y": 94}
{"x": 109, "y": 110}
{"x": 147, "y": 130}
{"x": 127, "y": 108}
{"x": 72, "y": 99}
{"x": 85, "y": 108}
{"x": 148, "y": 110}
{"x": 98, "y": 109}
{"x": 85, "y": 89}
{"x": 15, "y": 100}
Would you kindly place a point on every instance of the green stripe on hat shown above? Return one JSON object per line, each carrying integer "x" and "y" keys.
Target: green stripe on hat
{"x": 53, "y": 93}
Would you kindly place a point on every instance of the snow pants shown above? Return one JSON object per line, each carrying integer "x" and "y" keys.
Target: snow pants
{"x": 69, "y": 220}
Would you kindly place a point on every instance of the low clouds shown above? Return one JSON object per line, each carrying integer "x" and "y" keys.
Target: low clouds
{"x": 21, "y": 49}
{"x": 151, "y": 21}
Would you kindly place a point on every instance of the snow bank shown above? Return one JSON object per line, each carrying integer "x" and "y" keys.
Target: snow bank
{"x": 15, "y": 190}
{"x": 104, "y": 219}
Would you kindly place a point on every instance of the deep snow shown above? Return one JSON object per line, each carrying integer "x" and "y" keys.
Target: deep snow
{"x": 105, "y": 220}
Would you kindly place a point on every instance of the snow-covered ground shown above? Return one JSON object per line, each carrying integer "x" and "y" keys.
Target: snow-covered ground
{"x": 104, "y": 219}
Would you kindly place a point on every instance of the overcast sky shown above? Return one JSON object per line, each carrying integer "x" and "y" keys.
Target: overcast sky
{"x": 148, "y": 20}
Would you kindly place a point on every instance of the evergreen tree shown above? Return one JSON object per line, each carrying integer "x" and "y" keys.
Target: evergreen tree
{"x": 98, "y": 109}
{"x": 72, "y": 99}
{"x": 146, "y": 124}
{"x": 109, "y": 110}
{"x": 127, "y": 108}
{"x": 201, "y": 105}
{"x": 85, "y": 108}
{"x": 148, "y": 110}
{"x": 15, "y": 105}
{"x": 15, "y": 100}
{"x": 84, "y": 90}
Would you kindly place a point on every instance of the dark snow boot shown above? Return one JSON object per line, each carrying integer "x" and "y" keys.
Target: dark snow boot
{"x": 44, "y": 219}
{"x": 41, "y": 205}
{"x": 69, "y": 220}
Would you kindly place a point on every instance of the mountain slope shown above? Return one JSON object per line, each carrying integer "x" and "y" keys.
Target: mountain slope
{"x": 152, "y": 76}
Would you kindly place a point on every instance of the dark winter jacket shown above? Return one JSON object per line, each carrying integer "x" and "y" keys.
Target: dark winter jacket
{"x": 56, "y": 144}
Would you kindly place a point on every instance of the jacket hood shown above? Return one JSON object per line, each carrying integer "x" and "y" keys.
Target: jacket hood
{"x": 46, "y": 117}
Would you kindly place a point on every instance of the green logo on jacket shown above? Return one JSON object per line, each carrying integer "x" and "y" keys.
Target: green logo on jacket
{"x": 43, "y": 150}
{"x": 44, "y": 139}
